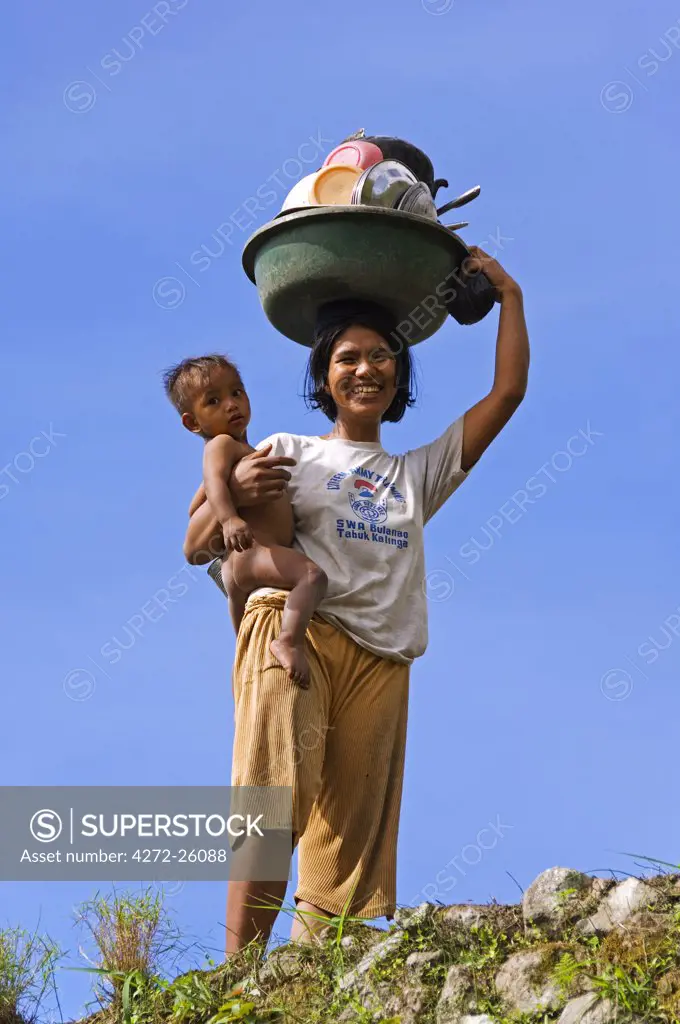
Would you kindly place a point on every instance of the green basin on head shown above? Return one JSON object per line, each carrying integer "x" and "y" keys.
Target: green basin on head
{"x": 303, "y": 259}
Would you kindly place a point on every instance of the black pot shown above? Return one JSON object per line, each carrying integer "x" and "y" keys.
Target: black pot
{"x": 414, "y": 158}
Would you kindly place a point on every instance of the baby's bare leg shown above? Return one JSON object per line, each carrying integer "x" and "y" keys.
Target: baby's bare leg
{"x": 285, "y": 569}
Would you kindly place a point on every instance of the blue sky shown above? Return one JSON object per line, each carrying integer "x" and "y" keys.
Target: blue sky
{"x": 114, "y": 173}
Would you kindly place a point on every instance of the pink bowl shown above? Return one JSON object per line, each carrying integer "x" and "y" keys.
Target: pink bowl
{"x": 356, "y": 154}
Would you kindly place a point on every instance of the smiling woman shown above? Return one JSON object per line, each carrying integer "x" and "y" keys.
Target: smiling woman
{"x": 338, "y": 375}
{"x": 359, "y": 515}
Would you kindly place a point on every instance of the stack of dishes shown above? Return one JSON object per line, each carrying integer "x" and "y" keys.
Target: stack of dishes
{"x": 357, "y": 174}
{"x": 365, "y": 226}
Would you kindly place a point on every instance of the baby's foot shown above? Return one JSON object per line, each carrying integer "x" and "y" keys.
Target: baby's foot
{"x": 292, "y": 657}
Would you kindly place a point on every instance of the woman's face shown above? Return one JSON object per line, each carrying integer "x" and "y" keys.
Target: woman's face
{"x": 362, "y": 374}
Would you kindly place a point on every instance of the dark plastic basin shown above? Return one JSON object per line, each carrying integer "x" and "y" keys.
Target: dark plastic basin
{"x": 303, "y": 259}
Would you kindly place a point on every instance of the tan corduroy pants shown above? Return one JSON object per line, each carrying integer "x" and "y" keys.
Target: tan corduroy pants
{"x": 339, "y": 745}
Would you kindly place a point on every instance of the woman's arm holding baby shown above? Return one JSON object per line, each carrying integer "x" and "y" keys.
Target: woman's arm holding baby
{"x": 197, "y": 500}
{"x": 485, "y": 420}
{"x": 203, "y": 540}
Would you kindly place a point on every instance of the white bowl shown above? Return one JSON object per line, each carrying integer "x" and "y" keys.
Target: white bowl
{"x": 301, "y": 194}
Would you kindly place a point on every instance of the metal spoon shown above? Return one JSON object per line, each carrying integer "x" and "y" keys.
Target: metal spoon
{"x": 466, "y": 197}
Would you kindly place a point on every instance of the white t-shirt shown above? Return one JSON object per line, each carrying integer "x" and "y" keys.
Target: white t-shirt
{"x": 359, "y": 514}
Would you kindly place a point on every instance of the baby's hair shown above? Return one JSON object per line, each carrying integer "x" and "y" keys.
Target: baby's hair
{"x": 182, "y": 381}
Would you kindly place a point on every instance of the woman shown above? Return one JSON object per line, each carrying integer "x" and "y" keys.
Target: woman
{"x": 359, "y": 515}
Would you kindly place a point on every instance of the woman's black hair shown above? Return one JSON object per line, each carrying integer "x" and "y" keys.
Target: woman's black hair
{"x": 333, "y": 320}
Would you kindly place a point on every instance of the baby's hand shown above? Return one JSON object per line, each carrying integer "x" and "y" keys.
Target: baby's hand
{"x": 237, "y": 535}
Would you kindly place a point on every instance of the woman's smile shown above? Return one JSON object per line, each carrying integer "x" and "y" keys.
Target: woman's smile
{"x": 359, "y": 390}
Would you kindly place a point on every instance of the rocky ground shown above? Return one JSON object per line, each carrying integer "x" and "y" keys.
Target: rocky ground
{"x": 577, "y": 950}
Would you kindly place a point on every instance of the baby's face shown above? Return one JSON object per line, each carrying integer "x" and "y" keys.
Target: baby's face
{"x": 222, "y": 407}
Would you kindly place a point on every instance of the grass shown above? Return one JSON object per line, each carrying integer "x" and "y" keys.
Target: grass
{"x": 134, "y": 938}
{"x": 27, "y": 963}
{"x": 137, "y": 944}
{"x": 638, "y": 971}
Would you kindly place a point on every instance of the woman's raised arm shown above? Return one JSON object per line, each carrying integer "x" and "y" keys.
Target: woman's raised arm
{"x": 485, "y": 420}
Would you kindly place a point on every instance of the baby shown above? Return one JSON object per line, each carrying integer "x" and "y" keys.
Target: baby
{"x": 209, "y": 395}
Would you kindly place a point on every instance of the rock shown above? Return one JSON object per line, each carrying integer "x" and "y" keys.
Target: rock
{"x": 351, "y": 1013}
{"x": 282, "y": 964}
{"x": 546, "y": 901}
{"x": 589, "y": 1009}
{"x": 457, "y": 996}
{"x": 381, "y": 999}
{"x": 409, "y": 918}
{"x": 627, "y": 898}
{"x": 619, "y": 906}
{"x": 578, "y": 1011}
{"x": 326, "y": 934}
{"x": 601, "y": 886}
{"x": 669, "y": 984}
{"x": 519, "y": 983}
{"x": 417, "y": 962}
{"x": 463, "y": 918}
{"x": 649, "y": 925}
{"x": 406, "y": 1004}
{"x": 466, "y": 917}
{"x": 477, "y": 1019}
{"x": 354, "y": 978}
